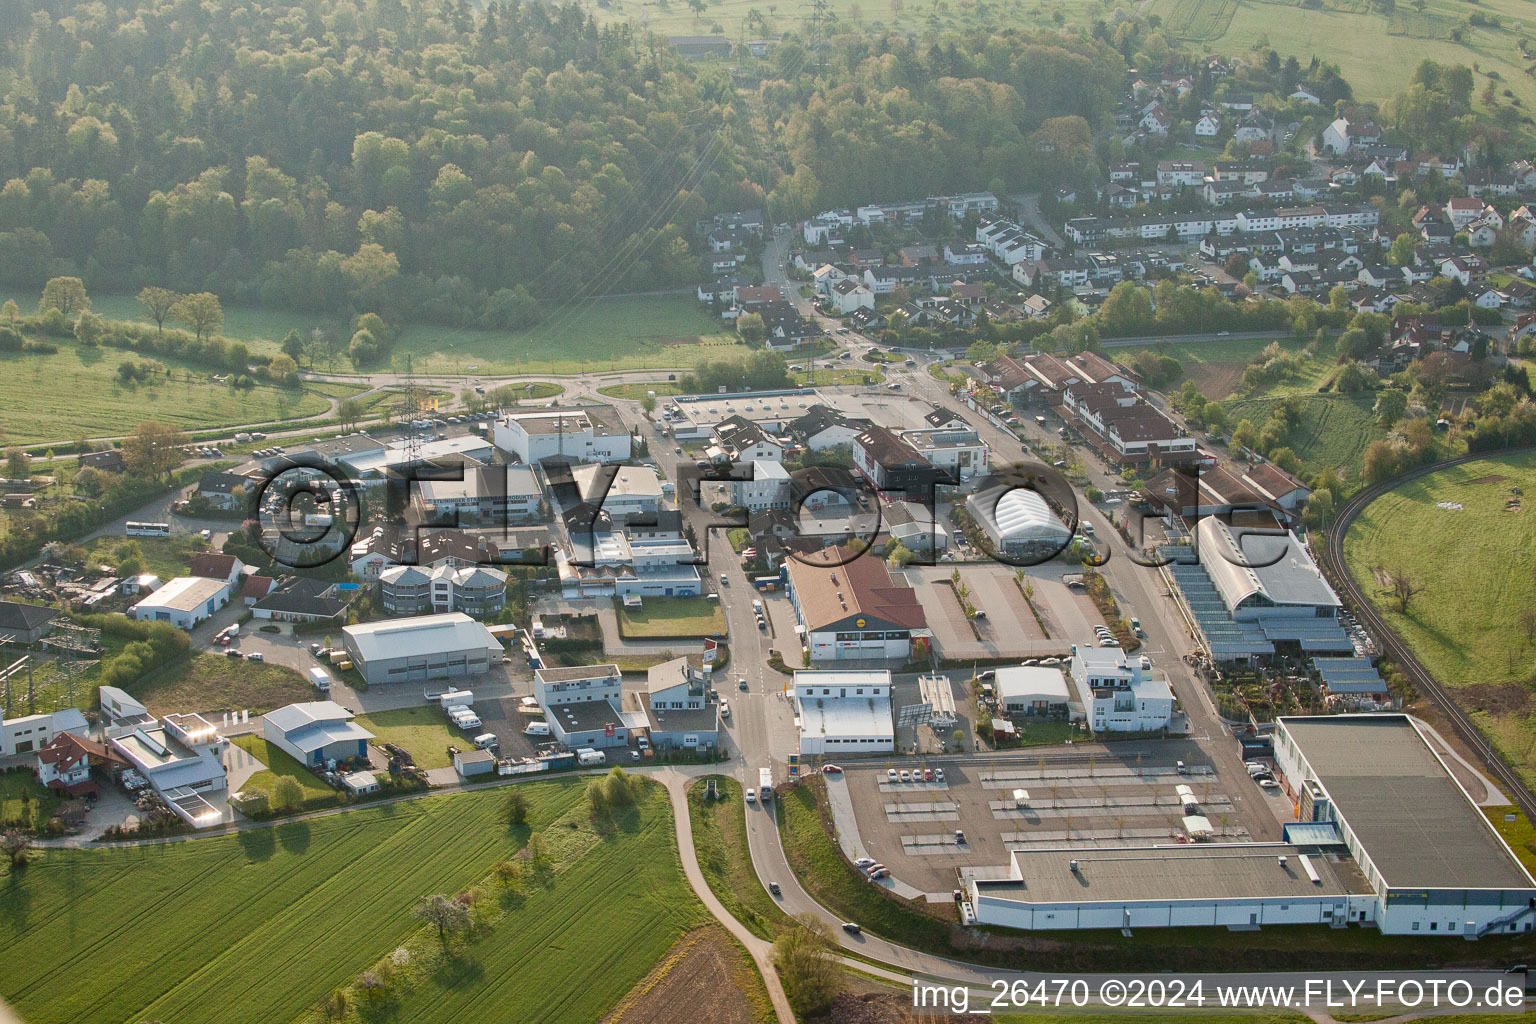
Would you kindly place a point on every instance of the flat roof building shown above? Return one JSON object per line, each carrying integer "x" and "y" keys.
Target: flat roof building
{"x": 844, "y": 712}
{"x": 1036, "y": 690}
{"x": 1430, "y": 855}
{"x": 184, "y": 601}
{"x": 425, "y": 647}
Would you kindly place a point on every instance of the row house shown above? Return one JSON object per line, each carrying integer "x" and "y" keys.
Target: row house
{"x": 1126, "y": 428}
{"x": 1185, "y": 174}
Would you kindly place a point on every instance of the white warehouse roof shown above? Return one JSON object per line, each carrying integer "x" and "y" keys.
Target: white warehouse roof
{"x": 1020, "y": 514}
{"x": 1040, "y": 682}
{"x": 424, "y": 634}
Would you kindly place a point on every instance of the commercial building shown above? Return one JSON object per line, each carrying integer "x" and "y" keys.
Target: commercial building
{"x": 623, "y": 492}
{"x": 852, "y": 610}
{"x": 1116, "y": 695}
{"x": 582, "y": 704}
{"x": 892, "y": 466}
{"x": 769, "y": 488}
{"x": 315, "y": 732}
{"x": 1429, "y": 856}
{"x": 414, "y": 590}
{"x": 678, "y": 708}
{"x": 844, "y": 712}
{"x": 485, "y": 494}
{"x": 697, "y": 417}
{"x": 958, "y": 450}
{"x": 589, "y": 433}
{"x": 184, "y": 601}
{"x": 427, "y": 647}
{"x": 1036, "y": 691}
{"x": 34, "y": 732}
{"x": 182, "y": 757}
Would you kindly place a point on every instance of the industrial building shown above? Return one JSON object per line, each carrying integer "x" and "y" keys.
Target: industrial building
{"x": 182, "y": 758}
{"x": 583, "y": 705}
{"x": 696, "y": 417}
{"x": 1039, "y": 691}
{"x": 425, "y": 647}
{"x": 844, "y": 712}
{"x": 1251, "y": 590}
{"x": 589, "y": 433}
{"x": 852, "y": 610}
{"x": 677, "y": 704}
{"x": 1431, "y": 858}
{"x": 1388, "y": 839}
{"x": 34, "y": 732}
{"x": 484, "y": 494}
{"x": 183, "y": 602}
{"x": 315, "y": 732}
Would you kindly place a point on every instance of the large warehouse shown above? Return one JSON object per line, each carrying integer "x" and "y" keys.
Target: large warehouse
{"x": 425, "y": 647}
{"x": 1388, "y": 838}
{"x": 854, "y": 610}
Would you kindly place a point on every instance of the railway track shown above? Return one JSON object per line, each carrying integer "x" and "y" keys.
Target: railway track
{"x": 1392, "y": 645}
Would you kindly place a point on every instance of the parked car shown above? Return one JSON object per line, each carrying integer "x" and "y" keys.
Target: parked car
{"x": 959, "y": 836}
{"x": 231, "y": 653}
{"x": 938, "y": 774}
{"x": 255, "y": 656}
{"x": 864, "y": 862}
{"x": 890, "y": 774}
{"x": 831, "y": 769}
{"x": 927, "y": 774}
{"x": 906, "y": 776}
{"x": 1268, "y": 783}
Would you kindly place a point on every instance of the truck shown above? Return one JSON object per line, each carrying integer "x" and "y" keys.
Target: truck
{"x": 317, "y": 519}
{"x": 321, "y": 678}
{"x": 765, "y": 783}
{"x": 587, "y": 757}
{"x": 453, "y": 698}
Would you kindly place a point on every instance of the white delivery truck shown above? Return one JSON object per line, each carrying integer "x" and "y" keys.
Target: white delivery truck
{"x": 321, "y": 678}
{"x": 587, "y": 757}
{"x": 765, "y": 783}
{"x": 456, "y": 698}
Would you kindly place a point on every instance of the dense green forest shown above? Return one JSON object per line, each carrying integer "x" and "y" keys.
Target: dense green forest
{"x": 427, "y": 160}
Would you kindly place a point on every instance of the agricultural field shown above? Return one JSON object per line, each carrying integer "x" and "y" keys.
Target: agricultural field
{"x": 666, "y": 617}
{"x": 30, "y": 385}
{"x": 213, "y": 683}
{"x": 720, "y": 841}
{"x": 1464, "y": 537}
{"x": 1199, "y": 20}
{"x": 1216, "y": 366}
{"x": 686, "y": 985}
{"x": 424, "y": 731}
{"x": 124, "y": 934}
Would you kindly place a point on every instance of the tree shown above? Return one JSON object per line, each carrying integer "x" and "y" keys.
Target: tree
{"x": 89, "y": 328}
{"x": 1403, "y": 248}
{"x": 648, "y": 403}
{"x": 154, "y": 449}
{"x": 11, "y": 314}
{"x": 1403, "y": 588}
{"x": 1528, "y": 624}
{"x": 293, "y": 346}
{"x": 17, "y": 464}
{"x": 363, "y": 348}
{"x": 15, "y": 843}
{"x": 158, "y": 303}
{"x": 349, "y": 411}
{"x": 65, "y": 294}
{"x": 751, "y": 328}
{"x": 443, "y": 912}
{"x": 201, "y": 312}
{"x": 803, "y": 958}
{"x": 517, "y": 808}
{"x": 1380, "y": 462}
{"x": 1245, "y": 434}
{"x": 288, "y": 794}
{"x": 1391, "y": 403}
{"x": 332, "y": 1006}
{"x": 1214, "y": 414}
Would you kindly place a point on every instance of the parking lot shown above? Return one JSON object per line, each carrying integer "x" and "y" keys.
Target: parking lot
{"x": 1123, "y": 795}
{"x": 1006, "y": 627}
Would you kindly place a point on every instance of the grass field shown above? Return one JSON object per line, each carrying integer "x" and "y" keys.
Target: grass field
{"x": 1216, "y": 367}
{"x": 255, "y": 927}
{"x": 32, "y": 386}
{"x": 280, "y": 766}
{"x": 214, "y": 683}
{"x": 662, "y": 617}
{"x": 1335, "y": 430}
{"x": 720, "y": 841}
{"x": 837, "y": 376}
{"x": 637, "y": 391}
{"x": 166, "y": 557}
{"x": 424, "y": 731}
{"x": 570, "y": 948}
{"x": 1477, "y": 567}
{"x": 1202, "y": 20}
{"x": 38, "y": 806}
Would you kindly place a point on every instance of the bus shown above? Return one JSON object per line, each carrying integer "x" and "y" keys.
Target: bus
{"x": 148, "y": 529}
